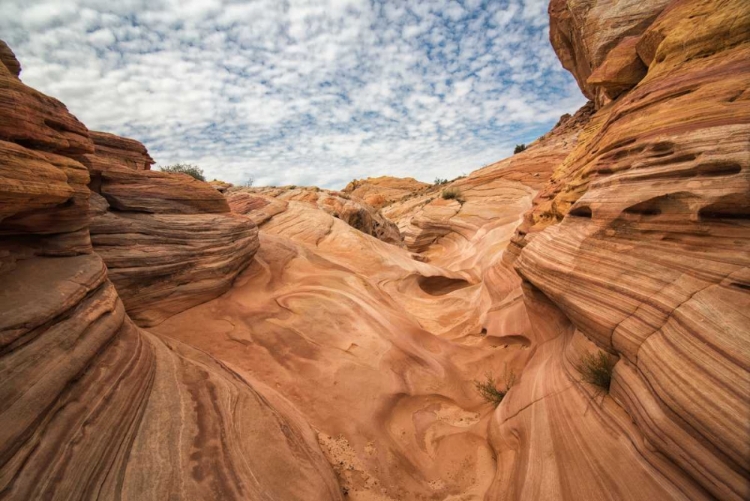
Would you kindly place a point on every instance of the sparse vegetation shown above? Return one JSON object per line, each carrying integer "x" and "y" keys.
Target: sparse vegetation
{"x": 596, "y": 369}
{"x": 519, "y": 148}
{"x": 191, "y": 170}
{"x": 452, "y": 194}
{"x": 439, "y": 181}
{"x": 248, "y": 183}
{"x": 488, "y": 388}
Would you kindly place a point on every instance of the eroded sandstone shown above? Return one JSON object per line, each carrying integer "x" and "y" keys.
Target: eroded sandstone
{"x": 350, "y": 209}
{"x": 349, "y": 361}
{"x": 92, "y": 407}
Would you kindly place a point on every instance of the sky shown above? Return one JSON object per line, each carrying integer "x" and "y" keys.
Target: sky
{"x": 304, "y": 92}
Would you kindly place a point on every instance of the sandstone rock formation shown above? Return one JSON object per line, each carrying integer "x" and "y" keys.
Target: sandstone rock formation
{"x": 92, "y": 407}
{"x": 376, "y": 349}
{"x": 220, "y": 186}
{"x": 454, "y": 233}
{"x": 585, "y": 34}
{"x": 112, "y": 151}
{"x": 640, "y": 247}
{"x": 349, "y": 209}
{"x": 349, "y": 359}
{"x": 381, "y": 191}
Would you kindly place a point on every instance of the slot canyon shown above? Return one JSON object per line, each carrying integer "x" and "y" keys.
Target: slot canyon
{"x": 167, "y": 338}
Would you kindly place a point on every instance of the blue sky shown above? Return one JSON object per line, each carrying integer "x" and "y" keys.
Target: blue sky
{"x": 301, "y": 92}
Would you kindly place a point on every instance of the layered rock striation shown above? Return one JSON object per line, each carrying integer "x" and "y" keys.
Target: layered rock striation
{"x": 93, "y": 407}
{"x": 350, "y": 209}
{"x": 485, "y": 210}
{"x": 382, "y": 191}
{"x": 170, "y": 241}
{"x": 594, "y": 40}
{"x": 639, "y": 247}
{"x": 295, "y": 321}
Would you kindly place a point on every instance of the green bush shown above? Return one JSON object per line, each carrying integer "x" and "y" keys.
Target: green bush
{"x": 489, "y": 391}
{"x": 596, "y": 369}
{"x": 439, "y": 181}
{"x": 191, "y": 170}
{"x": 519, "y": 148}
{"x": 452, "y": 194}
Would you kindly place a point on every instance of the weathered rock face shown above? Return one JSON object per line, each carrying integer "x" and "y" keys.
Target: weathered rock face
{"x": 584, "y": 34}
{"x": 112, "y": 151}
{"x": 640, "y": 246}
{"x": 155, "y": 192}
{"x": 381, "y": 191}
{"x": 635, "y": 242}
{"x": 9, "y": 61}
{"x": 455, "y": 232}
{"x": 43, "y": 190}
{"x": 168, "y": 240}
{"x": 351, "y": 210}
{"x": 220, "y": 186}
{"x": 165, "y": 263}
{"x": 92, "y": 407}
{"x": 378, "y": 350}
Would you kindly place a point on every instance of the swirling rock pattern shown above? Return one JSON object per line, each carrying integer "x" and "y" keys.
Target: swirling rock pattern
{"x": 353, "y": 211}
{"x": 376, "y": 349}
{"x": 642, "y": 244}
{"x": 635, "y": 242}
{"x": 169, "y": 241}
{"x": 91, "y": 406}
{"x": 456, "y": 233}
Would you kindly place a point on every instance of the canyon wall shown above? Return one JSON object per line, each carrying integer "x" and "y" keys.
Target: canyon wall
{"x": 91, "y": 406}
{"x": 475, "y": 226}
{"x": 640, "y": 246}
{"x": 163, "y": 338}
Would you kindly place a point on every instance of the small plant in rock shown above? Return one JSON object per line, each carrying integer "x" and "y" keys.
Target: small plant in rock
{"x": 248, "y": 183}
{"x": 191, "y": 170}
{"x": 596, "y": 369}
{"x": 519, "y": 148}
{"x": 439, "y": 181}
{"x": 488, "y": 388}
{"x": 452, "y": 194}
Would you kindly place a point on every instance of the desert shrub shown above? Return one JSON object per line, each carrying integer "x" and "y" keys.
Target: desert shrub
{"x": 519, "y": 148}
{"x": 596, "y": 369}
{"x": 439, "y": 181}
{"x": 452, "y": 194}
{"x": 488, "y": 388}
{"x": 248, "y": 183}
{"x": 191, "y": 170}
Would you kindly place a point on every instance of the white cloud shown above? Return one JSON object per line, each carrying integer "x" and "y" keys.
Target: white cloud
{"x": 301, "y": 92}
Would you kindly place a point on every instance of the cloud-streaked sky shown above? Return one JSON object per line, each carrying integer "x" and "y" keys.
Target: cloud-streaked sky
{"x": 307, "y": 92}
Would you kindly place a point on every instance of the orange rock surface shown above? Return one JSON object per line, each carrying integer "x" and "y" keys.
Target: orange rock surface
{"x": 381, "y": 191}
{"x": 456, "y": 233}
{"x": 299, "y": 349}
{"x": 91, "y": 406}
{"x": 352, "y": 210}
{"x": 585, "y": 33}
{"x": 111, "y": 152}
{"x": 642, "y": 245}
